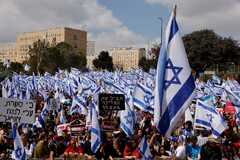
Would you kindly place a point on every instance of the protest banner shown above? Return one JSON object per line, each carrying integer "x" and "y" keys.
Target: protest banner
{"x": 20, "y": 111}
{"x": 109, "y": 105}
{"x": 111, "y": 102}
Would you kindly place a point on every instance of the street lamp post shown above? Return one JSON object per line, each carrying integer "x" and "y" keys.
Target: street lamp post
{"x": 161, "y": 20}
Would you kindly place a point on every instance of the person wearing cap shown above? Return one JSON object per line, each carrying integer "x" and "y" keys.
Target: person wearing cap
{"x": 211, "y": 150}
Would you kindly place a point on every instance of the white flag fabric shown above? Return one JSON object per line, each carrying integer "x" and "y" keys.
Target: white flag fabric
{"x": 237, "y": 115}
{"x": 127, "y": 121}
{"x": 63, "y": 119}
{"x": 19, "y": 151}
{"x": 207, "y": 116}
{"x": 174, "y": 82}
{"x": 95, "y": 132}
{"x": 142, "y": 98}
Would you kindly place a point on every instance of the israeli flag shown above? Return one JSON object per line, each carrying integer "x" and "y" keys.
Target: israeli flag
{"x": 232, "y": 96}
{"x": 19, "y": 151}
{"x": 145, "y": 150}
{"x": 175, "y": 84}
{"x": 95, "y": 132}
{"x": 237, "y": 115}
{"x": 63, "y": 119}
{"x": 78, "y": 105}
{"x": 210, "y": 100}
{"x": 142, "y": 98}
{"x": 43, "y": 115}
{"x": 207, "y": 116}
{"x": 127, "y": 121}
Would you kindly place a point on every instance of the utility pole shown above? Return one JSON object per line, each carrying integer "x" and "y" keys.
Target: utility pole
{"x": 161, "y": 20}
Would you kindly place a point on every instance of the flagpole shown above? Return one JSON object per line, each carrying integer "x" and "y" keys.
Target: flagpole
{"x": 175, "y": 10}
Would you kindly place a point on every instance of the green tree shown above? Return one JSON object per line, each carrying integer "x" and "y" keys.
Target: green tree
{"x": 104, "y": 61}
{"x": 70, "y": 57}
{"x": 37, "y": 52}
{"x": 16, "y": 67}
{"x": 205, "y": 48}
{"x": 46, "y": 58}
{"x": 76, "y": 60}
{"x": 146, "y": 64}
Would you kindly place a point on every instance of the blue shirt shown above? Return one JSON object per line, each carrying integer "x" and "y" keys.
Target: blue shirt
{"x": 193, "y": 151}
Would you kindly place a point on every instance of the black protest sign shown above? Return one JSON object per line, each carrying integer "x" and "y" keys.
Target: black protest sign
{"x": 111, "y": 102}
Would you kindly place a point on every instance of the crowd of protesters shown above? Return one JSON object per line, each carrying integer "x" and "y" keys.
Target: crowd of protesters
{"x": 186, "y": 142}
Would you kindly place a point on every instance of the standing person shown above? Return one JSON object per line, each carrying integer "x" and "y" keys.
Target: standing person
{"x": 41, "y": 150}
{"x": 180, "y": 152}
{"x": 193, "y": 150}
{"x": 211, "y": 150}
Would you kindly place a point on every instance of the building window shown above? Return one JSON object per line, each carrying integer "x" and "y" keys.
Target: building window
{"x": 75, "y": 46}
{"x": 75, "y": 37}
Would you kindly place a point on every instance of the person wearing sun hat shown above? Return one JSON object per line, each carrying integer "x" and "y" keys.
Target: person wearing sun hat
{"x": 211, "y": 150}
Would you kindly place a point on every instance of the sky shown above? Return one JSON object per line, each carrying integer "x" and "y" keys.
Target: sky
{"x": 118, "y": 23}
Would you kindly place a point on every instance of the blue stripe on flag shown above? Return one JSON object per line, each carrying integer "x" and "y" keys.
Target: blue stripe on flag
{"x": 14, "y": 130}
{"x": 142, "y": 105}
{"x": 214, "y": 132}
{"x": 174, "y": 29}
{"x": 144, "y": 146}
{"x": 96, "y": 145}
{"x": 95, "y": 131}
{"x": 176, "y": 103}
{"x": 126, "y": 129}
{"x": 205, "y": 123}
{"x": 144, "y": 89}
{"x": 207, "y": 108}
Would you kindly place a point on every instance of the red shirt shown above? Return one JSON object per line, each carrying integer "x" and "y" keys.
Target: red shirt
{"x": 135, "y": 152}
{"x": 72, "y": 149}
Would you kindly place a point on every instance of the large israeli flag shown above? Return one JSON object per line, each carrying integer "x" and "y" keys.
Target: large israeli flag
{"x": 174, "y": 82}
{"x": 207, "y": 116}
{"x": 95, "y": 132}
{"x": 19, "y": 151}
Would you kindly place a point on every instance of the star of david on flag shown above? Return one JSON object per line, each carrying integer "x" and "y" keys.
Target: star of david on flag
{"x": 208, "y": 117}
{"x": 18, "y": 152}
{"x": 128, "y": 118}
{"x": 127, "y": 121}
{"x": 175, "y": 71}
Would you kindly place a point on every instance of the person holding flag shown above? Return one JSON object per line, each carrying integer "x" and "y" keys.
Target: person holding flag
{"x": 19, "y": 151}
{"x": 175, "y": 85}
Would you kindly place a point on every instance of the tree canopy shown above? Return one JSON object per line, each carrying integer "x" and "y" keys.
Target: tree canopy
{"x": 145, "y": 63}
{"x": 46, "y": 58}
{"x": 103, "y": 61}
{"x": 205, "y": 48}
